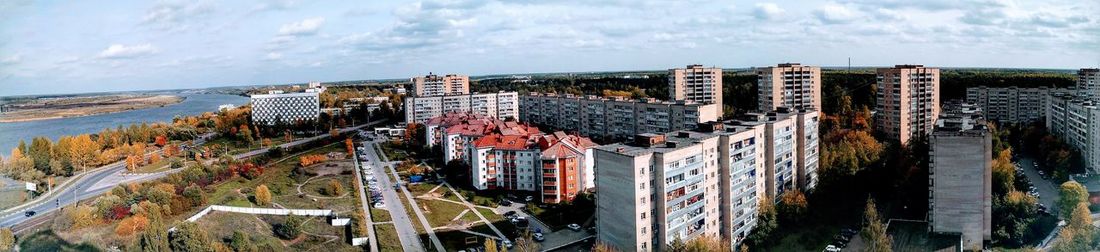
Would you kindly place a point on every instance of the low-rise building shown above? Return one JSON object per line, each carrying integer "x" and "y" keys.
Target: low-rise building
{"x": 289, "y": 108}
{"x": 503, "y": 106}
{"x": 960, "y": 176}
{"x": 613, "y": 118}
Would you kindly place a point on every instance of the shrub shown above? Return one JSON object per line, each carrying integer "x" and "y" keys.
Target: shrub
{"x": 334, "y": 188}
{"x": 290, "y": 228}
{"x": 131, "y": 225}
{"x": 263, "y": 195}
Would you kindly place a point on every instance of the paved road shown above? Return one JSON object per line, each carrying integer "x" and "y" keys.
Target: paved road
{"x": 1048, "y": 191}
{"x": 406, "y": 233}
{"x": 101, "y": 180}
{"x": 365, "y": 207}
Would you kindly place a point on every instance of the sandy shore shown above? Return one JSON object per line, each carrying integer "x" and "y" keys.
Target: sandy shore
{"x": 44, "y": 109}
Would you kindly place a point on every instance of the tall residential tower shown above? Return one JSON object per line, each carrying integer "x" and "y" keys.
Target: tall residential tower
{"x": 789, "y": 85}
{"x": 696, "y": 84}
{"x": 908, "y": 101}
{"x": 435, "y": 85}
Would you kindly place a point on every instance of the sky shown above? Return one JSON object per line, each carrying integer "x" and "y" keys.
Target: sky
{"x": 52, "y": 47}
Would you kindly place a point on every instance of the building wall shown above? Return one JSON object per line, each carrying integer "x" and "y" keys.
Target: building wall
{"x": 502, "y": 105}
{"x": 624, "y": 217}
{"x": 961, "y": 186}
{"x": 907, "y": 101}
{"x": 807, "y": 145}
{"x": 290, "y": 108}
{"x": 596, "y": 117}
{"x": 1088, "y": 83}
{"x": 741, "y": 165}
{"x": 434, "y": 85}
{"x": 1076, "y": 120}
{"x": 1012, "y": 104}
{"x": 696, "y": 83}
{"x": 789, "y": 85}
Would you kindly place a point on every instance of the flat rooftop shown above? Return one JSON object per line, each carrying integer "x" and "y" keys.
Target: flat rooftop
{"x": 675, "y": 140}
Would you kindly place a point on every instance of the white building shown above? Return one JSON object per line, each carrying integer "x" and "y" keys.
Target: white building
{"x": 1012, "y": 104}
{"x": 1088, "y": 83}
{"x": 503, "y": 106}
{"x": 286, "y": 107}
{"x": 1076, "y": 120}
{"x": 613, "y": 118}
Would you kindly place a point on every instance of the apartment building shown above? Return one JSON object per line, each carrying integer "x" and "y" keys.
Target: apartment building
{"x": 508, "y": 155}
{"x": 558, "y": 165}
{"x": 289, "y": 108}
{"x": 661, "y": 188}
{"x": 1012, "y": 104}
{"x": 435, "y": 85}
{"x": 502, "y": 105}
{"x": 697, "y": 84}
{"x": 1076, "y": 120}
{"x": 757, "y": 156}
{"x": 613, "y": 118}
{"x": 1088, "y": 83}
{"x": 960, "y": 176}
{"x": 789, "y": 85}
{"x": 908, "y": 101}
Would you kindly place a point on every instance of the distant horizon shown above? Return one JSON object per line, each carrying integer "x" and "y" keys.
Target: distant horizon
{"x": 475, "y": 76}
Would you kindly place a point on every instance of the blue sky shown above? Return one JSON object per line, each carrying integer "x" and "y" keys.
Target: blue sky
{"x": 86, "y": 46}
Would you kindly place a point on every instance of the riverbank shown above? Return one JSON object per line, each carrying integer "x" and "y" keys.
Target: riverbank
{"x": 45, "y": 109}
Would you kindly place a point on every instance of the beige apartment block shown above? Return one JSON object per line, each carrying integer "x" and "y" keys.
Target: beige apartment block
{"x": 503, "y": 106}
{"x": 908, "y": 101}
{"x": 696, "y": 83}
{"x": 790, "y": 85}
{"x": 613, "y": 118}
{"x": 659, "y": 189}
{"x": 435, "y": 85}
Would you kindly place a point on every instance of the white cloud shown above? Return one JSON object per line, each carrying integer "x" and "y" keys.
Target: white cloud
{"x": 273, "y": 56}
{"x": 119, "y": 51}
{"x": 835, "y": 14}
{"x": 10, "y": 60}
{"x": 768, "y": 11}
{"x": 305, "y": 27}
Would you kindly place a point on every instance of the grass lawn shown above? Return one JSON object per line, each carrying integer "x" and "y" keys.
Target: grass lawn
{"x": 316, "y": 232}
{"x": 387, "y": 237}
{"x": 379, "y": 215}
{"x": 47, "y": 240}
{"x": 439, "y": 213}
{"x": 470, "y": 217}
{"x": 393, "y": 152}
{"x": 162, "y": 165}
{"x": 419, "y": 189}
{"x": 10, "y": 198}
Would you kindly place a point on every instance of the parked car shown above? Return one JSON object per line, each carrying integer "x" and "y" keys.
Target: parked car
{"x": 831, "y": 248}
{"x": 509, "y": 213}
{"x": 539, "y": 237}
{"x": 574, "y": 227}
{"x": 505, "y": 202}
{"x": 529, "y": 198}
{"x": 379, "y": 204}
{"x": 506, "y": 243}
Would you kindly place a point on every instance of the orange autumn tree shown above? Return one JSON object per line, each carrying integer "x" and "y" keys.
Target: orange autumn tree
{"x": 307, "y": 160}
{"x": 161, "y": 140}
{"x": 351, "y": 146}
{"x": 131, "y": 225}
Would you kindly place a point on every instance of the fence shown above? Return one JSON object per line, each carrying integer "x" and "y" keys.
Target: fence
{"x": 254, "y": 210}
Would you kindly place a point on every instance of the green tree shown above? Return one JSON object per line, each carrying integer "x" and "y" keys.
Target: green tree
{"x": 874, "y": 231}
{"x": 189, "y": 237}
{"x": 241, "y": 242}
{"x": 792, "y": 206}
{"x": 1071, "y": 194}
{"x": 290, "y": 228}
{"x": 7, "y": 239}
{"x": 766, "y": 223}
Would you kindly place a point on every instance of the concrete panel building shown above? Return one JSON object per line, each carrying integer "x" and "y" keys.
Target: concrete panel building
{"x": 268, "y": 109}
{"x": 1076, "y": 120}
{"x": 1012, "y": 104}
{"x": 960, "y": 177}
{"x": 908, "y": 101}
{"x": 789, "y": 85}
{"x": 659, "y": 189}
{"x": 503, "y": 106}
{"x": 613, "y": 118}
{"x": 697, "y": 84}
{"x": 1088, "y": 83}
{"x": 435, "y": 85}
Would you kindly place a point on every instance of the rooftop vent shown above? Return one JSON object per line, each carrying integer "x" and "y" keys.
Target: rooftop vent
{"x": 648, "y": 139}
{"x": 670, "y": 144}
{"x": 683, "y": 134}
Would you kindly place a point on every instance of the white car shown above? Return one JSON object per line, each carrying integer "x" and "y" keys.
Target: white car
{"x": 370, "y": 177}
{"x": 379, "y": 204}
{"x": 574, "y": 227}
{"x": 831, "y": 248}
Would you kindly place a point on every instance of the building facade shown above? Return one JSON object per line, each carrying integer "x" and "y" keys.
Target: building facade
{"x": 435, "y": 85}
{"x": 660, "y": 189}
{"x": 960, "y": 177}
{"x": 755, "y": 156}
{"x": 1012, "y": 104}
{"x": 908, "y": 101}
{"x": 613, "y": 118}
{"x": 289, "y": 108}
{"x": 1088, "y": 83}
{"x": 503, "y": 106}
{"x": 1076, "y": 120}
{"x": 789, "y": 85}
{"x": 697, "y": 84}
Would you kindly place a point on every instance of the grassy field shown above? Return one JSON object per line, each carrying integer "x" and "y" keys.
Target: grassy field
{"x": 47, "y": 240}
{"x": 316, "y": 233}
{"x": 439, "y": 213}
{"x": 10, "y": 198}
{"x": 387, "y": 237}
{"x": 379, "y": 215}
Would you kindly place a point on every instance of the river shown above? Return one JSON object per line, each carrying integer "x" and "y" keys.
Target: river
{"x": 194, "y": 104}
